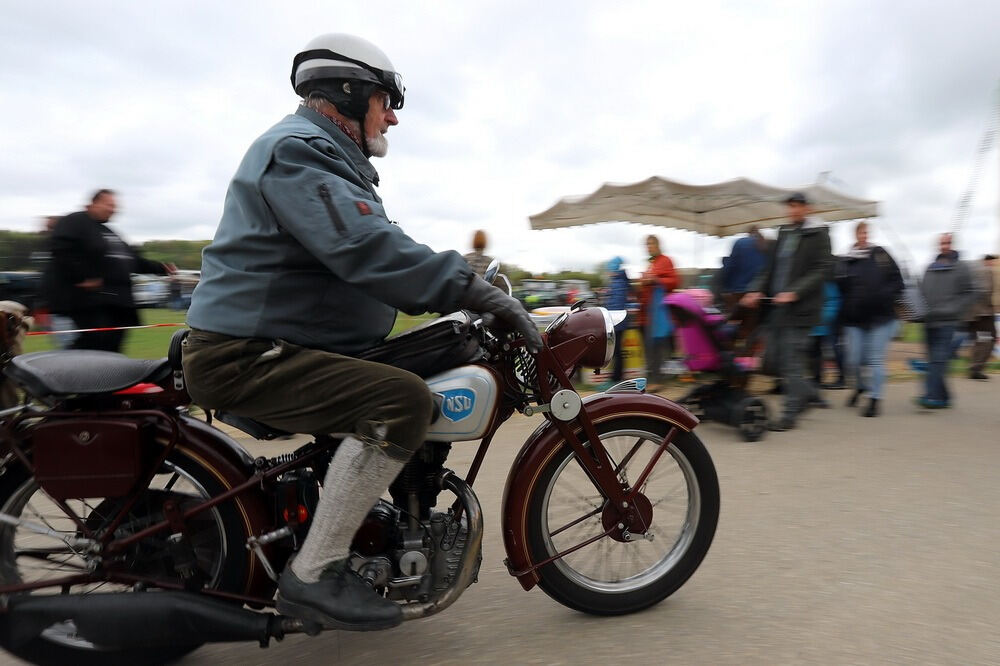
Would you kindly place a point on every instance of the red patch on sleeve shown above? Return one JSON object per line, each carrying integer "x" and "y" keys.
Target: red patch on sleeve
{"x": 363, "y": 208}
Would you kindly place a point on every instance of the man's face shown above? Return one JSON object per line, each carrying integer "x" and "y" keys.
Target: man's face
{"x": 652, "y": 247}
{"x": 944, "y": 243}
{"x": 861, "y": 233}
{"x": 102, "y": 209}
{"x": 797, "y": 211}
{"x": 379, "y": 119}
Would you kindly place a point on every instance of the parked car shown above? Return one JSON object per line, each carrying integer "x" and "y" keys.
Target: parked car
{"x": 149, "y": 291}
{"x": 21, "y": 286}
{"x": 571, "y": 291}
{"x": 538, "y": 293}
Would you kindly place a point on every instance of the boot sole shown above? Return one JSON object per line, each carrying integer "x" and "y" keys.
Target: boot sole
{"x": 310, "y": 614}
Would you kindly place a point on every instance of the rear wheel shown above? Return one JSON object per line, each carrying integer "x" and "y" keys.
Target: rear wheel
{"x": 667, "y": 534}
{"x": 216, "y": 537}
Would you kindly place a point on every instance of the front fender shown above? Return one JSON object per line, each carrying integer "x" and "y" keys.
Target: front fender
{"x": 544, "y": 442}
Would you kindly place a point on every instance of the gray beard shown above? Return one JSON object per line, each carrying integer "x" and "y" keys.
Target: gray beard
{"x": 378, "y": 145}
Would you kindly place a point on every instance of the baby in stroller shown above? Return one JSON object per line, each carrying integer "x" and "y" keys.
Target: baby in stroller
{"x": 710, "y": 345}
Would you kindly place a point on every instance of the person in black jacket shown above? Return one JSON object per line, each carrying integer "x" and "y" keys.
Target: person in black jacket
{"x": 89, "y": 277}
{"x": 870, "y": 284}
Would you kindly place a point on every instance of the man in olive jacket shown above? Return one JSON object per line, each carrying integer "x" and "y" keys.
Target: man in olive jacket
{"x": 797, "y": 266}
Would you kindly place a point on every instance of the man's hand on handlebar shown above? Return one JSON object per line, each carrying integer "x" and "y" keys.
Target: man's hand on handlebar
{"x": 485, "y": 298}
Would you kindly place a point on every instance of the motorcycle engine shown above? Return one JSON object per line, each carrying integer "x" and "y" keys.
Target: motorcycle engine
{"x": 412, "y": 553}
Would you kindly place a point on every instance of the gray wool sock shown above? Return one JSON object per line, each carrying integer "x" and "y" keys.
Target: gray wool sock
{"x": 358, "y": 475}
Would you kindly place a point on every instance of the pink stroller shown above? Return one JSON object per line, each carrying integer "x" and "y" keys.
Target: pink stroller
{"x": 707, "y": 340}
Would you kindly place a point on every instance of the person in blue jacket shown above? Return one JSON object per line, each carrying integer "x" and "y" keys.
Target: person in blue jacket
{"x": 619, "y": 291}
{"x": 306, "y": 269}
{"x": 820, "y": 335}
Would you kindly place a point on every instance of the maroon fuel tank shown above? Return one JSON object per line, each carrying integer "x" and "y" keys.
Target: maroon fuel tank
{"x": 545, "y": 441}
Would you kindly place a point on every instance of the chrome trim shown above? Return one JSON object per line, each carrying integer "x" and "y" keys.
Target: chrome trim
{"x": 609, "y": 329}
{"x": 468, "y": 567}
{"x": 618, "y": 316}
{"x": 637, "y": 385}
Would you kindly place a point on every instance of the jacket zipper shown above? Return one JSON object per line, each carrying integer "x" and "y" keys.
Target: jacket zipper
{"x": 324, "y": 194}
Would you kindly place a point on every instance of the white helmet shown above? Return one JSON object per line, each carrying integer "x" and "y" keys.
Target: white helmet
{"x": 346, "y": 69}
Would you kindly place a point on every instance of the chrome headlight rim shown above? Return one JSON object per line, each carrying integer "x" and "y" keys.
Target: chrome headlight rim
{"x": 609, "y": 330}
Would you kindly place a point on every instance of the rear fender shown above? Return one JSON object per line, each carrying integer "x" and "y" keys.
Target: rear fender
{"x": 230, "y": 463}
{"x": 545, "y": 442}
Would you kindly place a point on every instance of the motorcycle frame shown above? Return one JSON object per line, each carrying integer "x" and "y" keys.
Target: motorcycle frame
{"x": 535, "y": 453}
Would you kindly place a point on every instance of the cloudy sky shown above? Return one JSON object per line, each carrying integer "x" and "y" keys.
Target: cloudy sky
{"x": 511, "y": 105}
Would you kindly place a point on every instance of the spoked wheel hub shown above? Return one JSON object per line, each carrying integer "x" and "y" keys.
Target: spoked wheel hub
{"x": 635, "y": 519}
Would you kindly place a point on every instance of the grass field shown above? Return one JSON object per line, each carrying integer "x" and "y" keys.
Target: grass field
{"x": 153, "y": 342}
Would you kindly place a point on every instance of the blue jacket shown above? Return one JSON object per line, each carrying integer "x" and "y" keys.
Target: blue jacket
{"x": 305, "y": 252}
{"x": 831, "y": 307}
{"x": 742, "y": 265}
{"x": 618, "y": 292}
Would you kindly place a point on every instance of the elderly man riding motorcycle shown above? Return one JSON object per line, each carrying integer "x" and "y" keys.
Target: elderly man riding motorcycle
{"x": 305, "y": 270}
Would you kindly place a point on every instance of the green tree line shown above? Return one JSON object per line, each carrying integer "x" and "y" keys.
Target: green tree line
{"x": 27, "y": 251}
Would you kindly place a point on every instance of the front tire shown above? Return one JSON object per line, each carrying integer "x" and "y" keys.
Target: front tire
{"x": 612, "y": 576}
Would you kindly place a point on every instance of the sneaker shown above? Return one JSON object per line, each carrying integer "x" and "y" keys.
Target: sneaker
{"x": 930, "y": 403}
{"x": 872, "y": 409}
{"x": 853, "y": 399}
{"x": 816, "y": 401}
{"x": 338, "y": 600}
{"x": 836, "y": 386}
{"x": 917, "y": 365}
{"x": 978, "y": 375}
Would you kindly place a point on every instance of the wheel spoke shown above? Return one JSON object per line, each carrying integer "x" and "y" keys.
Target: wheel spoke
{"x": 577, "y": 521}
{"x": 619, "y": 566}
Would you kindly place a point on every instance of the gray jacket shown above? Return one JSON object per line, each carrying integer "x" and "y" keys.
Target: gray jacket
{"x": 948, "y": 290}
{"x": 305, "y": 252}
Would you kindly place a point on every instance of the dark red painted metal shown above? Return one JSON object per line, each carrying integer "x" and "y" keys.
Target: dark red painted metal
{"x": 545, "y": 442}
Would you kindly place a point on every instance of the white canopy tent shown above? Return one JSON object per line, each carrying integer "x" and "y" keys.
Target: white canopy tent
{"x": 723, "y": 209}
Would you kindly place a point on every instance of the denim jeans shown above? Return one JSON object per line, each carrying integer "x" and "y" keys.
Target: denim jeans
{"x": 866, "y": 348}
{"x": 938, "y": 339}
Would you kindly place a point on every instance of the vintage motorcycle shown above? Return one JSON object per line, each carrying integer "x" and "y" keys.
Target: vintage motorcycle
{"x": 133, "y": 531}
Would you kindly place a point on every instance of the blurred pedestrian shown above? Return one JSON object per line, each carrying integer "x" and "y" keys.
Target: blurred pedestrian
{"x": 949, "y": 291}
{"x": 656, "y": 282}
{"x": 477, "y": 259}
{"x": 619, "y": 290}
{"x": 797, "y": 266}
{"x": 870, "y": 284}
{"x": 983, "y": 324}
{"x": 89, "y": 276}
{"x": 745, "y": 261}
{"x": 820, "y": 336}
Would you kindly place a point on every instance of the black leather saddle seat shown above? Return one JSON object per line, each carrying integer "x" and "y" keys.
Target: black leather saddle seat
{"x": 82, "y": 372}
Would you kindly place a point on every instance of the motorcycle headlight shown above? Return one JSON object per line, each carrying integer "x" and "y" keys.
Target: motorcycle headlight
{"x": 585, "y": 337}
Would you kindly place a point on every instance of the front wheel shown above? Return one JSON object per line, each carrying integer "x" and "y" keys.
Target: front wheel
{"x": 676, "y": 512}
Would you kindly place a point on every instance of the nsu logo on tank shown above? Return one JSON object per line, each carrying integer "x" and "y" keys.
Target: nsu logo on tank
{"x": 457, "y": 404}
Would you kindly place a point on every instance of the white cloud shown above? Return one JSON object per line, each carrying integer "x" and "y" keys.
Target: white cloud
{"x": 511, "y": 106}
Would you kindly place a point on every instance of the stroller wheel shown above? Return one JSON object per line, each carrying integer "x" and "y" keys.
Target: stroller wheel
{"x": 752, "y": 418}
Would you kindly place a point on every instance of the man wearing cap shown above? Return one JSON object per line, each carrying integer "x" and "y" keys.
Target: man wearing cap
{"x": 797, "y": 265}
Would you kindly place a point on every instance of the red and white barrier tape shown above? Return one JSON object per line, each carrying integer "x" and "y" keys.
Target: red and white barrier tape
{"x": 106, "y": 328}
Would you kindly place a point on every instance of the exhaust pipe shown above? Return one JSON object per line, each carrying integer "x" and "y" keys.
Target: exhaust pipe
{"x": 142, "y": 619}
{"x": 467, "y": 567}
